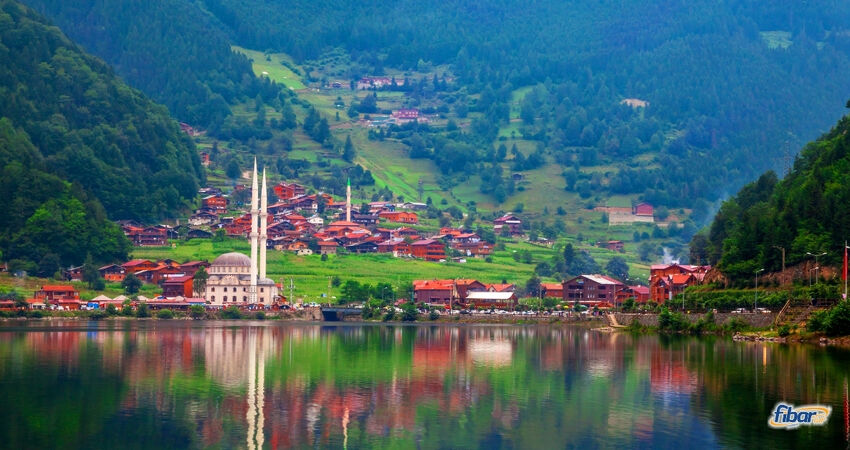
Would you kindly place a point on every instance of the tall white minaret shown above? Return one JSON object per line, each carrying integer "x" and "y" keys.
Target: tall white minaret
{"x": 348, "y": 202}
{"x": 252, "y": 297}
{"x": 264, "y": 222}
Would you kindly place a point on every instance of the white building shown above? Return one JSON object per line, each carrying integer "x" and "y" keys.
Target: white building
{"x": 236, "y": 279}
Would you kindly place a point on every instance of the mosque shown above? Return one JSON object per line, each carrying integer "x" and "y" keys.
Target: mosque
{"x": 234, "y": 278}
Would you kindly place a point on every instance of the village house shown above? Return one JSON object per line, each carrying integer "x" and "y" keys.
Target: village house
{"x": 138, "y": 265}
{"x": 365, "y": 220}
{"x": 189, "y": 268}
{"x": 399, "y": 216}
{"x": 614, "y": 246}
{"x": 554, "y": 290}
{"x": 327, "y": 247}
{"x": 668, "y": 280}
{"x": 487, "y": 300}
{"x": 428, "y": 249}
{"x": 74, "y": 273}
{"x": 639, "y": 293}
{"x": 501, "y": 287}
{"x": 510, "y": 222}
{"x": 362, "y": 247}
{"x": 112, "y": 272}
{"x": 407, "y": 115}
{"x": 592, "y": 290}
{"x": 286, "y": 191}
{"x": 215, "y": 203}
{"x": 643, "y": 209}
{"x": 466, "y": 286}
{"x": 147, "y": 236}
{"x": 396, "y": 246}
{"x": 197, "y": 233}
{"x": 203, "y": 218}
{"x": 57, "y": 295}
{"x": 432, "y": 292}
{"x": 182, "y": 286}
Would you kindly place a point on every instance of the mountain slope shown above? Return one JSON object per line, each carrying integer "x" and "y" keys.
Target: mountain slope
{"x": 171, "y": 50}
{"x": 806, "y": 212}
{"x": 79, "y": 147}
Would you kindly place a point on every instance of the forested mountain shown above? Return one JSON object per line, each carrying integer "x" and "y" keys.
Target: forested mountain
{"x": 171, "y": 50}
{"x": 806, "y": 212}
{"x": 79, "y": 147}
{"x": 728, "y": 82}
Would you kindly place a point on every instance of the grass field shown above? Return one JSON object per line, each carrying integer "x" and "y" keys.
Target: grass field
{"x": 272, "y": 67}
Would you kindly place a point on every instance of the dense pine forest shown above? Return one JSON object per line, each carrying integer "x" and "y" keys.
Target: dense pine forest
{"x": 806, "y": 212}
{"x": 730, "y": 84}
{"x": 78, "y": 147}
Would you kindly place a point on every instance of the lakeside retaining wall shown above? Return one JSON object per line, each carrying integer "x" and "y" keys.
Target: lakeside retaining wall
{"x": 758, "y": 320}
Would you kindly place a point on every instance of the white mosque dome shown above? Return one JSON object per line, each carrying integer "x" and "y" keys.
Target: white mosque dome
{"x": 233, "y": 259}
{"x": 265, "y": 282}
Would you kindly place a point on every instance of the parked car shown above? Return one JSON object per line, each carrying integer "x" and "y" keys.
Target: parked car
{"x": 739, "y": 311}
{"x": 763, "y": 310}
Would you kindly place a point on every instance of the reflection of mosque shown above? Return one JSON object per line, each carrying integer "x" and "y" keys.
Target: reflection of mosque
{"x": 297, "y": 386}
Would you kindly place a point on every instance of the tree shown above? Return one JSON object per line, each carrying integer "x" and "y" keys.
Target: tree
{"x": 199, "y": 282}
{"x": 131, "y": 284}
{"x": 197, "y": 312}
{"x": 91, "y": 275}
{"x": 618, "y": 268}
{"x": 532, "y": 287}
{"x": 232, "y": 170}
{"x": 143, "y": 310}
{"x": 409, "y": 312}
{"x": 348, "y": 152}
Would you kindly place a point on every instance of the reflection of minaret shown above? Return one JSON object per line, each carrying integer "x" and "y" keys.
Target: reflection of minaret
{"x": 348, "y": 202}
{"x": 264, "y": 214}
{"x": 255, "y": 415}
{"x": 253, "y": 237}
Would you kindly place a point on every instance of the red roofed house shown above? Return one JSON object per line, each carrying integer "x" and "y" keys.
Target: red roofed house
{"x": 643, "y": 209}
{"x": 553, "y": 290}
{"x": 286, "y": 191}
{"x": 328, "y": 247}
{"x": 666, "y": 280}
{"x": 428, "y": 249}
{"x": 509, "y": 221}
{"x": 138, "y": 265}
{"x": 465, "y": 286}
{"x": 215, "y": 203}
{"x": 396, "y": 246}
{"x": 178, "y": 286}
{"x": 637, "y": 292}
{"x": 399, "y": 216}
{"x": 592, "y": 289}
{"x": 61, "y": 295}
{"x": 434, "y": 291}
{"x": 112, "y": 272}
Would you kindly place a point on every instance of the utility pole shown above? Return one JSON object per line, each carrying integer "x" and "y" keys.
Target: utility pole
{"x": 291, "y": 289}
{"x": 816, "y": 264}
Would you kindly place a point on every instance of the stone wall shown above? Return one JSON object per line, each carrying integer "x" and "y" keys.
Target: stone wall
{"x": 758, "y": 320}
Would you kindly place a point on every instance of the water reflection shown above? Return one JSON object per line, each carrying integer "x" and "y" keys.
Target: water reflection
{"x": 281, "y": 385}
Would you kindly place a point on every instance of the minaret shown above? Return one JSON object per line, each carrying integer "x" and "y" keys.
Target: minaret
{"x": 252, "y": 297}
{"x": 264, "y": 222}
{"x": 348, "y": 202}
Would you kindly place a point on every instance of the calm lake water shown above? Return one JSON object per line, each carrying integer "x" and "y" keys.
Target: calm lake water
{"x": 182, "y": 384}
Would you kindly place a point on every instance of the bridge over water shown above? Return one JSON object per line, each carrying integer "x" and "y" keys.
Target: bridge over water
{"x": 336, "y": 314}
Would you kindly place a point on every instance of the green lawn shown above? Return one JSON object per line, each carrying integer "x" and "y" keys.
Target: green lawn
{"x": 272, "y": 68}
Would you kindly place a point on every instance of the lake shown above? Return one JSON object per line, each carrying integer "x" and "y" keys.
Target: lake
{"x": 184, "y": 384}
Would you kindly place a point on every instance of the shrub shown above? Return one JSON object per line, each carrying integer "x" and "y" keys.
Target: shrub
{"x": 165, "y": 314}
{"x": 735, "y": 325}
{"x": 197, "y": 312}
{"x": 784, "y": 330}
{"x": 35, "y": 314}
{"x": 231, "y": 313}
{"x": 433, "y": 315}
{"x": 390, "y": 315}
{"x": 817, "y": 321}
{"x": 143, "y": 310}
{"x": 260, "y": 315}
{"x": 671, "y": 322}
{"x": 111, "y": 310}
{"x": 410, "y": 313}
{"x": 98, "y": 314}
{"x": 838, "y": 320}
{"x": 127, "y": 310}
